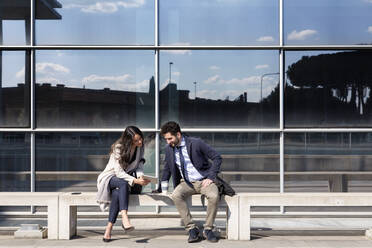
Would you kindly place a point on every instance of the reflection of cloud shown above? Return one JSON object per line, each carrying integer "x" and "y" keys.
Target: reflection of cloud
{"x": 214, "y": 67}
{"x": 176, "y": 73}
{"x": 368, "y": 1}
{"x": 243, "y": 81}
{"x": 51, "y": 68}
{"x": 253, "y": 92}
{"x": 258, "y": 67}
{"x": 302, "y": 35}
{"x": 123, "y": 82}
{"x": 96, "y": 79}
{"x": 212, "y": 79}
{"x": 164, "y": 84}
{"x": 238, "y": 81}
{"x": 21, "y": 73}
{"x": 265, "y": 38}
{"x": 179, "y": 52}
{"x": 49, "y": 80}
{"x": 106, "y": 7}
{"x": 369, "y": 30}
{"x": 45, "y": 68}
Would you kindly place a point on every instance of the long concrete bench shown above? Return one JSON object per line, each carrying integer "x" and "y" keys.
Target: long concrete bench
{"x": 49, "y": 199}
{"x": 247, "y": 200}
{"x": 68, "y": 203}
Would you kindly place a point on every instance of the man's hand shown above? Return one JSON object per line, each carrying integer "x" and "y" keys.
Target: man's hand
{"x": 206, "y": 182}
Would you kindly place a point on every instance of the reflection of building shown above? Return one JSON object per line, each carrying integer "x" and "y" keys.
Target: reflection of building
{"x": 69, "y": 107}
{"x": 72, "y": 107}
{"x": 21, "y": 10}
{"x": 177, "y": 105}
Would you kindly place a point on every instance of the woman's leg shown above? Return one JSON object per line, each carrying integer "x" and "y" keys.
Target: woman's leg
{"x": 113, "y": 214}
{"x": 114, "y": 206}
{"x": 123, "y": 194}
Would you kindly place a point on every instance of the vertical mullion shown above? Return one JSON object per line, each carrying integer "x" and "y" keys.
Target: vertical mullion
{"x": 281, "y": 98}
{"x": 157, "y": 150}
{"x": 32, "y": 98}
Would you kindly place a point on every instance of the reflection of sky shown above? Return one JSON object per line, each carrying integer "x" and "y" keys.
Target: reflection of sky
{"x": 221, "y": 74}
{"x": 222, "y": 22}
{"x": 14, "y": 32}
{"x": 90, "y": 22}
{"x": 218, "y": 73}
{"x": 13, "y": 61}
{"x": 327, "y": 22}
{"x": 117, "y": 70}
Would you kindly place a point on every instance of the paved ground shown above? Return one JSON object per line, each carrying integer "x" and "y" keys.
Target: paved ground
{"x": 165, "y": 238}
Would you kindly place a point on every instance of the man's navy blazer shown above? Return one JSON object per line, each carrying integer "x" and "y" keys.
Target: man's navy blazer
{"x": 199, "y": 153}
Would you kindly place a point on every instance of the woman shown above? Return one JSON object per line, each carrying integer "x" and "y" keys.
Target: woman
{"x": 123, "y": 173}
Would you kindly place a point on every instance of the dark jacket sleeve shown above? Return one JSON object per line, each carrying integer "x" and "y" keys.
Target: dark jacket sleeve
{"x": 214, "y": 156}
{"x": 166, "y": 173}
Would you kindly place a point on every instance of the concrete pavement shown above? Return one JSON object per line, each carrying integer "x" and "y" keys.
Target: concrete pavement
{"x": 170, "y": 238}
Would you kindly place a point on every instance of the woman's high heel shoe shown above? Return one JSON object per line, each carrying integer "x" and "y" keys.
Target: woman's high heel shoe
{"x": 106, "y": 240}
{"x": 127, "y": 229}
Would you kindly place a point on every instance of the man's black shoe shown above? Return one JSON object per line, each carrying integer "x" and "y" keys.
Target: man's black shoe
{"x": 193, "y": 235}
{"x": 209, "y": 235}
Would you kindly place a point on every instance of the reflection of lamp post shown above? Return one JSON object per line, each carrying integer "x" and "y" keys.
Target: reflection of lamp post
{"x": 195, "y": 89}
{"x": 261, "y": 103}
{"x": 170, "y": 72}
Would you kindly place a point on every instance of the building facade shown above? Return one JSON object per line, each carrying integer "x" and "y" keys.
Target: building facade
{"x": 281, "y": 88}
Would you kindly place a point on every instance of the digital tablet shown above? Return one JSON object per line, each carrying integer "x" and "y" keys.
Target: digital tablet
{"x": 152, "y": 179}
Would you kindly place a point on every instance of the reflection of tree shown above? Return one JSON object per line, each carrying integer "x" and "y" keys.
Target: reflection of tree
{"x": 344, "y": 75}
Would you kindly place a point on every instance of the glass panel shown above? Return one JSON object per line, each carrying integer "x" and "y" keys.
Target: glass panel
{"x": 104, "y": 22}
{"x": 328, "y": 89}
{"x": 15, "y": 162}
{"x": 15, "y": 28}
{"x": 14, "y": 89}
{"x": 250, "y": 161}
{"x": 334, "y": 22}
{"x": 220, "y": 88}
{"x": 203, "y": 22}
{"x": 328, "y": 162}
{"x": 95, "y": 88}
{"x": 72, "y": 161}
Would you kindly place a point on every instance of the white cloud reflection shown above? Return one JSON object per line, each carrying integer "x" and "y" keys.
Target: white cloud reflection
{"x": 301, "y": 35}
{"x": 265, "y": 38}
{"x": 104, "y": 6}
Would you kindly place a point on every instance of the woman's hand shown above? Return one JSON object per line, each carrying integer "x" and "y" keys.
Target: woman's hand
{"x": 141, "y": 181}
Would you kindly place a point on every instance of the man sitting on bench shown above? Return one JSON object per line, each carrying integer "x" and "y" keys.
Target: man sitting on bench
{"x": 186, "y": 160}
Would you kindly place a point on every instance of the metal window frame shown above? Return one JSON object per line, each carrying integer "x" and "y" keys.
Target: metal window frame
{"x": 281, "y": 48}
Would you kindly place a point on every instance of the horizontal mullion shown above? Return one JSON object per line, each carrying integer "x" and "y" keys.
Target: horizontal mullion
{"x": 37, "y": 130}
{"x": 327, "y": 130}
{"x": 199, "y": 130}
{"x": 153, "y": 47}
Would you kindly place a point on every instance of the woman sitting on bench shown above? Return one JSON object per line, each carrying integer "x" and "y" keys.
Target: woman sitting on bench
{"x": 123, "y": 175}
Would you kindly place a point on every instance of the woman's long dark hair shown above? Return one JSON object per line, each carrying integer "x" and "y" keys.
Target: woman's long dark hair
{"x": 125, "y": 142}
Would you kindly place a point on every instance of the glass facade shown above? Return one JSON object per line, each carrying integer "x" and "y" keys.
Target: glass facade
{"x": 71, "y": 92}
{"x": 15, "y": 161}
{"x": 72, "y": 161}
{"x": 281, "y": 88}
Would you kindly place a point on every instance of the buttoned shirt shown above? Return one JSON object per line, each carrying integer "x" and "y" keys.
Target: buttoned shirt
{"x": 192, "y": 173}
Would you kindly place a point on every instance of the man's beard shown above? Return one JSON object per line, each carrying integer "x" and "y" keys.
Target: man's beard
{"x": 176, "y": 142}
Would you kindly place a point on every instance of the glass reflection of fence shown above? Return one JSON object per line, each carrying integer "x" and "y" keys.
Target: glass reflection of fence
{"x": 246, "y": 172}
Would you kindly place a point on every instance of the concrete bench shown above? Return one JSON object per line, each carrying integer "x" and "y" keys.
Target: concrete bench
{"x": 68, "y": 203}
{"x": 247, "y": 200}
{"x": 49, "y": 199}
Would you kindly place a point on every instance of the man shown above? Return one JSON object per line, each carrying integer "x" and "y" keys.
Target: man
{"x": 186, "y": 160}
